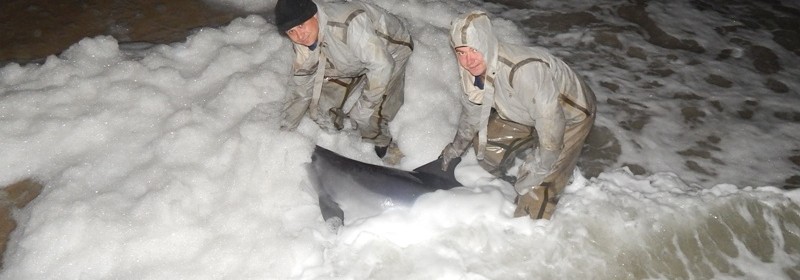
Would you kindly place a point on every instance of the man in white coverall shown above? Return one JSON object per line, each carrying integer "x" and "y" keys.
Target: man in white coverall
{"x": 350, "y": 60}
{"x": 519, "y": 101}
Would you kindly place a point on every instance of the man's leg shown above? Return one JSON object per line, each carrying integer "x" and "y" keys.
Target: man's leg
{"x": 378, "y": 131}
{"x": 505, "y": 140}
{"x": 541, "y": 201}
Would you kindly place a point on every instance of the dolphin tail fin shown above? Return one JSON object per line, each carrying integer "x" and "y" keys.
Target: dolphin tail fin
{"x": 331, "y": 212}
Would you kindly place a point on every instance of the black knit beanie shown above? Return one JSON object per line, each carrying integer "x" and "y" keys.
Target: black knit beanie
{"x": 291, "y": 13}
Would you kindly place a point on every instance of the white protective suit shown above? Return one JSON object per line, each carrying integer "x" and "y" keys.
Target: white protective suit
{"x": 367, "y": 48}
{"x": 528, "y": 86}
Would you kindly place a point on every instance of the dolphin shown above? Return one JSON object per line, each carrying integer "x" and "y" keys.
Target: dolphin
{"x": 361, "y": 189}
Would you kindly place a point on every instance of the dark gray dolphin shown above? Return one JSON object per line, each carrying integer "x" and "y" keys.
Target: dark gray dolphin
{"x": 360, "y": 189}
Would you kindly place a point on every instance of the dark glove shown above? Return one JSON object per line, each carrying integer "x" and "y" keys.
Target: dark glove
{"x": 448, "y": 154}
{"x": 337, "y": 117}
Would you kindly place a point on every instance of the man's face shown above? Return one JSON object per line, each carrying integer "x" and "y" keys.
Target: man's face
{"x": 471, "y": 60}
{"x": 306, "y": 33}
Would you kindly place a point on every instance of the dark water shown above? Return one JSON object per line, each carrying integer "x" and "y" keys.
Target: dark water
{"x": 34, "y": 29}
{"x": 705, "y": 80}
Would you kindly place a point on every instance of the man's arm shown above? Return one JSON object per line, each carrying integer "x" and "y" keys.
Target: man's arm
{"x": 550, "y": 124}
{"x": 467, "y": 128}
{"x": 301, "y": 85}
{"x": 379, "y": 64}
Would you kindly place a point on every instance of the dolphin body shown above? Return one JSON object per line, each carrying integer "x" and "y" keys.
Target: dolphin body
{"x": 362, "y": 189}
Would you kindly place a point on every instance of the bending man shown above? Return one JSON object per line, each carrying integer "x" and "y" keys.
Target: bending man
{"x": 350, "y": 60}
{"x": 519, "y": 101}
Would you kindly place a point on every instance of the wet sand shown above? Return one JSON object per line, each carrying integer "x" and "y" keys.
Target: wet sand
{"x": 14, "y": 196}
{"x": 34, "y": 29}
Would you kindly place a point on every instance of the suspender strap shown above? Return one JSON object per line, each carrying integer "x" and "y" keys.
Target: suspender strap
{"x": 489, "y": 80}
{"x": 339, "y": 82}
{"x": 346, "y": 22}
{"x": 356, "y": 13}
{"x": 410, "y": 45}
{"x": 571, "y": 103}
{"x": 317, "y": 90}
{"x": 546, "y": 197}
{"x": 516, "y": 66}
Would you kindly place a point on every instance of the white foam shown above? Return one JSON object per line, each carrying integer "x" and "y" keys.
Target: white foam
{"x": 167, "y": 163}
